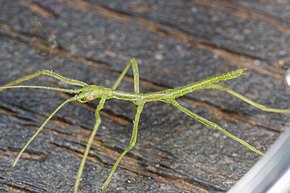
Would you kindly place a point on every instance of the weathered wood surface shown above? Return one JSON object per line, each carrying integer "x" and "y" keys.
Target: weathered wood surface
{"x": 175, "y": 42}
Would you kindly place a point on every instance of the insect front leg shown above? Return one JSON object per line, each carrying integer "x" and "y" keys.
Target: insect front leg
{"x": 44, "y": 72}
{"x": 214, "y": 126}
{"x": 71, "y": 91}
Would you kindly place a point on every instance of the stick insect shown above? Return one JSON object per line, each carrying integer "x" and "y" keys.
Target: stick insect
{"x": 91, "y": 92}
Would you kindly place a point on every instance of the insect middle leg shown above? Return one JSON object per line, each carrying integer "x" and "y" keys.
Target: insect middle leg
{"x": 140, "y": 106}
{"x": 132, "y": 62}
{"x": 131, "y": 145}
{"x": 214, "y": 126}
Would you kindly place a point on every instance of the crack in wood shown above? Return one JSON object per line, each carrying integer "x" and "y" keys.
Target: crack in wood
{"x": 78, "y": 152}
{"x": 239, "y": 10}
{"x": 29, "y": 155}
{"x": 23, "y": 187}
{"x": 38, "y": 9}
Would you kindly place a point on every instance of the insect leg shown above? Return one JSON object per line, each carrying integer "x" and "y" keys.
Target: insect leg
{"x": 132, "y": 62}
{"x": 214, "y": 126}
{"x": 140, "y": 106}
{"x": 42, "y": 87}
{"x": 48, "y": 73}
{"x": 89, "y": 143}
{"x": 98, "y": 118}
{"x": 132, "y": 144}
{"x": 247, "y": 100}
{"x": 136, "y": 74}
{"x": 41, "y": 127}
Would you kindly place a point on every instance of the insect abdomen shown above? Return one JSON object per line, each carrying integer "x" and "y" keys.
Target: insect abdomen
{"x": 180, "y": 91}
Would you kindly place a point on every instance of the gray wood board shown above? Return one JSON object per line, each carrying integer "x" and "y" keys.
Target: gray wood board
{"x": 175, "y": 43}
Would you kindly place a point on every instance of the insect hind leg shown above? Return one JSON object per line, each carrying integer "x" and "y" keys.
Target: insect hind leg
{"x": 247, "y": 100}
{"x": 214, "y": 126}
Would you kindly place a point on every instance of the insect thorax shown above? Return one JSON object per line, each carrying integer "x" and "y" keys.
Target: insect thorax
{"x": 91, "y": 92}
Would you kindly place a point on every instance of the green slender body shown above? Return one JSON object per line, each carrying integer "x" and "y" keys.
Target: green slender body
{"x": 90, "y": 92}
{"x": 165, "y": 95}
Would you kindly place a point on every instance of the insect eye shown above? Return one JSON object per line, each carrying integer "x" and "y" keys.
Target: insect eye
{"x": 90, "y": 97}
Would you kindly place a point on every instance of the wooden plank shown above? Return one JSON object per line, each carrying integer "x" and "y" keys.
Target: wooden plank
{"x": 176, "y": 43}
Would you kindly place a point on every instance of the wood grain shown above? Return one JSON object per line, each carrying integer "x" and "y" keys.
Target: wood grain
{"x": 175, "y": 43}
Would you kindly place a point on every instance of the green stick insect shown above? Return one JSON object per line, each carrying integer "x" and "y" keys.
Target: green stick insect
{"x": 90, "y": 92}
